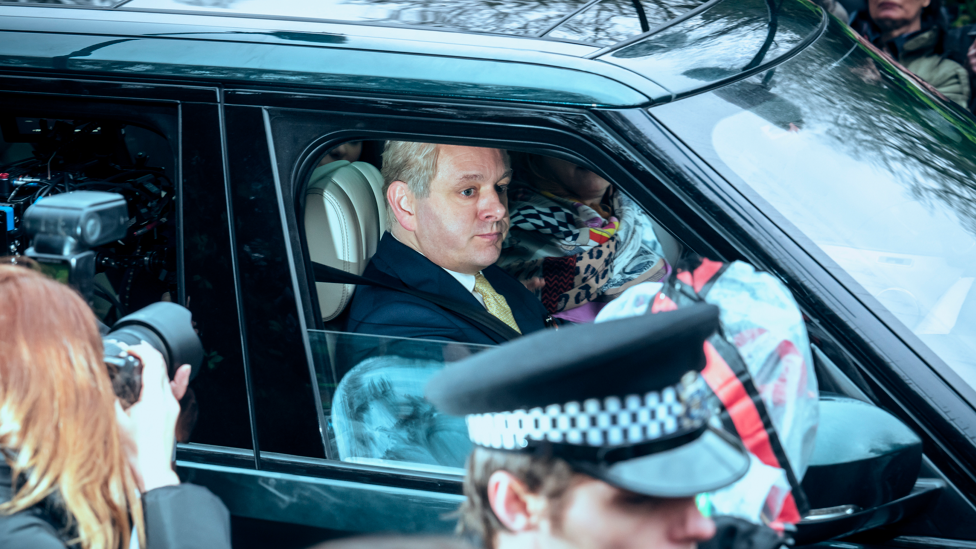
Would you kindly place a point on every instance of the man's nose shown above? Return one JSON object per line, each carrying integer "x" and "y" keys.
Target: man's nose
{"x": 492, "y": 207}
{"x": 691, "y": 526}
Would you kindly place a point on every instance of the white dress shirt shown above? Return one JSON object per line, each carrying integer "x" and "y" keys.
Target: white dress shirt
{"x": 467, "y": 281}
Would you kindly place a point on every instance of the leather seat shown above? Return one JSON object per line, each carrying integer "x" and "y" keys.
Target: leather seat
{"x": 345, "y": 216}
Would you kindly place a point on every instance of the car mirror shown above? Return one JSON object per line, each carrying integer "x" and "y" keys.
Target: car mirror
{"x": 863, "y": 473}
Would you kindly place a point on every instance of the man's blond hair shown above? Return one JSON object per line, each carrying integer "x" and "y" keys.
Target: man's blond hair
{"x": 545, "y": 476}
{"x": 413, "y": 163}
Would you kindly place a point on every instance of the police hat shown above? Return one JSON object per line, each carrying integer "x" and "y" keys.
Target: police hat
{"x": 621, "y": 401}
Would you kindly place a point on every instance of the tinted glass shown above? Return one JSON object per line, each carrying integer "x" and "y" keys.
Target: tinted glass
{"x": 719, "y": 43}
{"x": 612, "y": 21}
{"x": 870, "y": 165}
{"x": 519, "y": 17}
{"x": 372, "y": 391}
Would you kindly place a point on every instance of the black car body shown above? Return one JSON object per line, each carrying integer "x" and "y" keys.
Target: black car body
{"x": 666, "y": 100}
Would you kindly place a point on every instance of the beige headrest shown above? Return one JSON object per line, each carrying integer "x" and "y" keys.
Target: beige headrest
{"x": 345, "y": 216}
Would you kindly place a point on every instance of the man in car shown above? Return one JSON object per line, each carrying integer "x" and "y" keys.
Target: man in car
{"x": 448, "y": 214}
{"x": 596, "y": 436}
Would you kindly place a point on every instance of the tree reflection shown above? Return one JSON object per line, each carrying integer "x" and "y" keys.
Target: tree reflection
{"x": 613, "y": 21}
{"x": 876, "y": 114}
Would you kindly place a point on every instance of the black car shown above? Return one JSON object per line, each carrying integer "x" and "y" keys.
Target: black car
{"x": 753, "y": 130}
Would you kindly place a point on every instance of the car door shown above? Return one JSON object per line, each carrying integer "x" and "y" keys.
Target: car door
{"x": 275, "y": 140}
{"x": 671, "y": 183}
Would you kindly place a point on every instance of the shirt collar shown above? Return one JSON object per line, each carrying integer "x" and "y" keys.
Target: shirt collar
{"x": 466, "y": 280}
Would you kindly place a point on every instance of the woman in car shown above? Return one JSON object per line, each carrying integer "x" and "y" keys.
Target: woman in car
{"x": 575, "y": 241}
{"x": 77, "y": 470}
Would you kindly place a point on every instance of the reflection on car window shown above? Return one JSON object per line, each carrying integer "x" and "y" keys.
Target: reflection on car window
{"x": 517, "y": 17}
{"x": 718, "y": 43}
{"x": 869, "y": 165}
{"x": 372, "y": 392}
{"x": 611, "y": 21}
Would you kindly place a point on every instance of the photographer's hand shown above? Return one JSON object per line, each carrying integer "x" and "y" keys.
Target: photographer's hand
{"x": 148, "y": 426}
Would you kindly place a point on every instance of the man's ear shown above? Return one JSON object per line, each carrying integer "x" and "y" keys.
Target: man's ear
{"x": 516, "y": 507}
{"x": 403, "y": 204}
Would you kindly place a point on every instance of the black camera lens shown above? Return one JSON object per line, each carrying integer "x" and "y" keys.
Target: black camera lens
{"x": 168, "y": 328}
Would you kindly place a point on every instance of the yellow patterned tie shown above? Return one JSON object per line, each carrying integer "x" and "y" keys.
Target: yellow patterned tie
{"x": 494, "y": 302}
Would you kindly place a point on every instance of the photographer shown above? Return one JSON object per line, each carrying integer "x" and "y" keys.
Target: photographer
{"x": 77, "y": 470}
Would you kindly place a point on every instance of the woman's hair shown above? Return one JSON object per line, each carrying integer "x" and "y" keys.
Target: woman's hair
{"x": 550, "y": 477}
{"x": 58, "y": 431}
{"x": 531, "y": 169}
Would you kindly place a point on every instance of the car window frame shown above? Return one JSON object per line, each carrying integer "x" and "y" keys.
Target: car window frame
{"x": 462, "y": 126}
{"x": 115, "y": 98}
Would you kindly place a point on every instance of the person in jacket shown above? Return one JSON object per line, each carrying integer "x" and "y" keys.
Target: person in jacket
{"x": 77, "y": 470}
{"x": 579, "y": 445}
{"x": 914, "y": 34}
{"x": 575, "y": 241}
{"x": 448, "y": 209}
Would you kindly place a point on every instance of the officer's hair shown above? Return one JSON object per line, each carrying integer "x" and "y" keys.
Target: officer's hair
{"x": 549, "y": 477}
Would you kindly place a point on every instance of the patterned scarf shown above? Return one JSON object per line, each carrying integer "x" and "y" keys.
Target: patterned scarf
{"x": 582, "y": 257}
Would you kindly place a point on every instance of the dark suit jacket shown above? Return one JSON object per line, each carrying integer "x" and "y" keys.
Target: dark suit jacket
{"x": 379, "y": 311}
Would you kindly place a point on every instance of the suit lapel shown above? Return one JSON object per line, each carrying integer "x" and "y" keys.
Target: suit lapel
{"x": 416, "y": 271}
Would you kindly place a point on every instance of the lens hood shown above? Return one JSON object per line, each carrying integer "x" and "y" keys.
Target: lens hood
{"x": 169, "y": 328}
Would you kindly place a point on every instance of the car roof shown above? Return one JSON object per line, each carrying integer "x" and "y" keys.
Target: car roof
{"x": 531, "y": 18}
{"x": 574, "y": 52}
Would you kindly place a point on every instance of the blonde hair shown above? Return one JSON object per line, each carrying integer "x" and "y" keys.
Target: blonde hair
{"x": 413, "y": 163}
{"x": 58, "y": 430}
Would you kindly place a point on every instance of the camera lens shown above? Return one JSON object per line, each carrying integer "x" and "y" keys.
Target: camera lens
{"x": 168, "y": 328}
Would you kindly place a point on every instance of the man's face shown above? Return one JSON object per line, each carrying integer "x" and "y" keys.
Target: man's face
{"x": 462, "y": 223}
{"x": 894, "y": 14}
{"x": 596, "y": 515}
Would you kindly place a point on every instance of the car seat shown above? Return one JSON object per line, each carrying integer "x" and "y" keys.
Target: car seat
{"x": 345, "y": 216}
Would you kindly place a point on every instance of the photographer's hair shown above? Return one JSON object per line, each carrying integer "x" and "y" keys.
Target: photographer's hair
{"x": 58, "y": 430}
{"x": 544, "y": 476}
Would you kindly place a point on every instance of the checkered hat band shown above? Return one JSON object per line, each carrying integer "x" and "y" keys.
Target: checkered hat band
{"x": 610, "y": 421}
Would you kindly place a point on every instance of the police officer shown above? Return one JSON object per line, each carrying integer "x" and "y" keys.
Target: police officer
{"x": 595, "y": 436}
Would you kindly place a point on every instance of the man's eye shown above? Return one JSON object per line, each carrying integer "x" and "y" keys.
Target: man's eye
{"x": 467, "y": 192}
{"x": 502, "y": 189}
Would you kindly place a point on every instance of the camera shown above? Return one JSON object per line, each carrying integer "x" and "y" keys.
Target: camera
{"x": 64, "y": 229}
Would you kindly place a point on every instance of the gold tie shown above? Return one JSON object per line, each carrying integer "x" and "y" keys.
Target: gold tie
{"x": 494, "y": 302}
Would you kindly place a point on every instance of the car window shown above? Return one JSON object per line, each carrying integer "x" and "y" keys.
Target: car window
{"x": 365, "y": 378}
{"x": 91, "y": 146}
{"x": 372, "y": 394}
{"x": 870, "y": 165}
